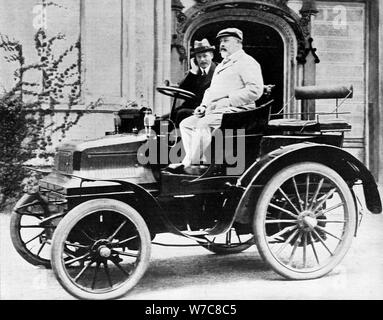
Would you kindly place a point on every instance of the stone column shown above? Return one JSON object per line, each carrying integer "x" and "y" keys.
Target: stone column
{"x": 309, "y": 69}
{"x": 146, "y": 43}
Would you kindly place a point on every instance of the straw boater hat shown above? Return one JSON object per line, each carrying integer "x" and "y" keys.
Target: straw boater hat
{"x": 201, "y": 46}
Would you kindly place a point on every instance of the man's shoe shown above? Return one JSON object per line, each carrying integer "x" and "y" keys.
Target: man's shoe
{"x": 195, "y": 170}
{"x": 175, "y": 168}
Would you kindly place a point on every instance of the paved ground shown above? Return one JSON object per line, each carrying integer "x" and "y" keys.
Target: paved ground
{"x": 194, "y": 273}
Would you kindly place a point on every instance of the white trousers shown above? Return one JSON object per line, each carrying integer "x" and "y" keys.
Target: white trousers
{"x": 196, "y": 136}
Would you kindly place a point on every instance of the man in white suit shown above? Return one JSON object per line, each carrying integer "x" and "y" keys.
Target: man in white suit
{"x": 236, "y": 84}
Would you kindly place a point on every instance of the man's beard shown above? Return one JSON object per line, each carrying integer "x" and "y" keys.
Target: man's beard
{"x": 224, "y": 54}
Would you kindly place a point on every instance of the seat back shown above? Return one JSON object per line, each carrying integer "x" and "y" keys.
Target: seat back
{"x": 253, "y": 121}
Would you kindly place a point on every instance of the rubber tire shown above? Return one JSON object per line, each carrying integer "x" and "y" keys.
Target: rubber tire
{"x": 261, "y": 208}
{"x": 71, "y": 219}
{"x": 20, "y": 246}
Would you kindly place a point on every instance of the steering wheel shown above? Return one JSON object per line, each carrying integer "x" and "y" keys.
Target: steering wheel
{"x": 176, "y": 93}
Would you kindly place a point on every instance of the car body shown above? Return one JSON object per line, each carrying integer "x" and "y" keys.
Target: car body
{"x": 101, "y": 206}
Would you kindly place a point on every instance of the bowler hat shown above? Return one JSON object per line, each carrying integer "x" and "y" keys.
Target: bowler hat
{"x": 230, "y": 32}
{"x": 201, "y": 46}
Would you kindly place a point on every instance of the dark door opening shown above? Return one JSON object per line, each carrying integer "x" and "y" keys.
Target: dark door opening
{"x": 261, "y": 42}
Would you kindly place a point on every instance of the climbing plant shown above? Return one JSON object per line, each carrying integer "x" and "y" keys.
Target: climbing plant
{"x": 27, "y": 110}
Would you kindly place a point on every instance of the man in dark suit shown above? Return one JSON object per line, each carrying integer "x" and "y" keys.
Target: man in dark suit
{"x": 198, "y": 78}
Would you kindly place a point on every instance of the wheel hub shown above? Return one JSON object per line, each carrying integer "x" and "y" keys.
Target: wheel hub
{"x": 101, "y": 249}
{"x": 104, "y": 251}
{"x": 307, "y": 220}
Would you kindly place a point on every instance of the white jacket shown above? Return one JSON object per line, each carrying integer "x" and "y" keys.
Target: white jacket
{"x": 238, "y": 78}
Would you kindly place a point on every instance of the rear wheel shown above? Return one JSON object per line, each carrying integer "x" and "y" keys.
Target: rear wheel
{"x": 101, "y": 249}
{"x": 30, "y": 235}
{"x": 304, "y": 221}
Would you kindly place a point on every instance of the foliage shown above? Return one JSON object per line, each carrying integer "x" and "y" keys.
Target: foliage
{"x": 25, "y": 127}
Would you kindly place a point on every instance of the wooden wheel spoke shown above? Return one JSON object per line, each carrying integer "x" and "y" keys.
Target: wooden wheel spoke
{"x": 281, "y": 221}
{"x": 329, "y": 233}
{"x": 128, "y": 254}
{"x": 288, "y": 200}
{"x": 123, "y": 242}
{"x": 108, "y": 274}
{"x": 83, "y": 270}
{"x": 325, "y": 211}
{"x": 35, "y": 237}
{"x": 313, "y": 248}
{"x": 324, "y": 198}
{"x": 95, "y": 275}
{"x": 304, "y": 249}
{"x": 288, "y": 240}
{"x": 296, "y": 243}
{"x": 331, "y": 221}
{"x": 83, "y": 257}
{"x": 283, "y": 210}
{"x": 314, "y": 198}
{"x": 117, "y": 264}
{"x": 76, "y": 245}
{"x": 41, "y": 248}
{"x": 300, "y": 201}
{"x": 282, "y": 232}
{"x": 307, "y": 191}
{"x": 117, "y": 231}
{"x": 322, "y": 241}
{"x": 69, "y": 253}
{"x": 33, "y": 226}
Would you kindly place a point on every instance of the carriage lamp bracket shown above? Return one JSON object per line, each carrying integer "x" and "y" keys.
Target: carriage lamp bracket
{"x": 338, "y": 105}
{"x": 361, "y": 212}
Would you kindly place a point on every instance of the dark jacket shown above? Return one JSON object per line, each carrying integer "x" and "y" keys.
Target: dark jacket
{"x": 196, "y": 83}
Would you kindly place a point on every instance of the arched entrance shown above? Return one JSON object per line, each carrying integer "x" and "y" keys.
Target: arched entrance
{"x": 261, "y": 42}
{"x": 272, "y": 34}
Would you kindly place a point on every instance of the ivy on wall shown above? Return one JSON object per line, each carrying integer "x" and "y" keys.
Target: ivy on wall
{"x": 27, "y": 110}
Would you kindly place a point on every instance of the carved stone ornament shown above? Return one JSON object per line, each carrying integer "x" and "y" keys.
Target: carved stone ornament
{"x": 274, "y": 7}
{"x": 308, "y": 50}
{"x": 180, "y": 17}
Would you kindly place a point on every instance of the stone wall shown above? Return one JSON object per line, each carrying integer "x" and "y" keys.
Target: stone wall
{"x": 125, "y": 52}
{"x": 339, "y": 33}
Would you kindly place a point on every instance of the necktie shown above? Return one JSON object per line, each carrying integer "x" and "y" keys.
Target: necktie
{"x": 203, "y": 72}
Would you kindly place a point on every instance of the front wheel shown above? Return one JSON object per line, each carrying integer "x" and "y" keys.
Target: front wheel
{"x": 304, "y": 221}
{"x": 100, "y": 249}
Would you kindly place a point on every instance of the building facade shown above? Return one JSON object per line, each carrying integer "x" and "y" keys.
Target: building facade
{"x": 128, "y": 47}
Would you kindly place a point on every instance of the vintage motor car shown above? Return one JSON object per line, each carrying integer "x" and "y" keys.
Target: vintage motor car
{"x": 97, "y": 214}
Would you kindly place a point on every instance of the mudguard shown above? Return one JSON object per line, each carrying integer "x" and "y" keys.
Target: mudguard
{"x": 146, "y": 204}
{"x": 151, "y": 210}
{"x": 350, "y": 168}
{"x": 29, "y": 199}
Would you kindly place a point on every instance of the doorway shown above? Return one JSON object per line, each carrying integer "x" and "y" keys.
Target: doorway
{"x": 262, "y": 42}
